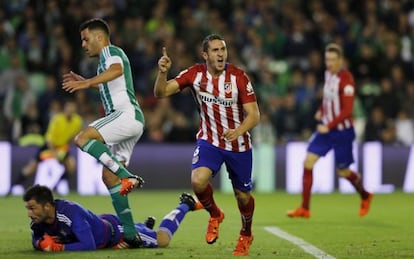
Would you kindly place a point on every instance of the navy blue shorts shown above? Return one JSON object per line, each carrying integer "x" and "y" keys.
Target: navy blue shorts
{"x": 238, "y": 164}
{"x": 339, "y": 140}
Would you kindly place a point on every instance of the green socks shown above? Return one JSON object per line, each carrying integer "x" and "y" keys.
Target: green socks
{"x": 123, "y": 211}
{"x": 101, "y": 152}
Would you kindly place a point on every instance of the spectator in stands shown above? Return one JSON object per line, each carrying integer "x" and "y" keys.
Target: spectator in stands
{"x": 266, "y": 88}
{"x": 365, "y": 63}
{"x": 407, "y": 100}
{"x": 45, "y": 99}
{"x": 288, "y": 120}
{"x": 388, "y": 99}
{"x": 11, "y": 55}
{"x": 379, "y": 128}
{"x": 404, "y": 128}
{"x": 18, "y": 100}
{"x": 42, "y": 37}
{"x": 31, "y": 121}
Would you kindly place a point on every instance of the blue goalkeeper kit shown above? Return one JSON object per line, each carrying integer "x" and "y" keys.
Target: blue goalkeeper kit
{"x": 80, "y": 229}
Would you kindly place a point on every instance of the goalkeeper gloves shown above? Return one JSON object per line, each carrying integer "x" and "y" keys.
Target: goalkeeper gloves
{"x": 49, "y": 244}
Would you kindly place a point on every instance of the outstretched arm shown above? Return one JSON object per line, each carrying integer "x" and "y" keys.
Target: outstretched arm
{"x": 162, "y": 87}
{"x": 73, "y": 82}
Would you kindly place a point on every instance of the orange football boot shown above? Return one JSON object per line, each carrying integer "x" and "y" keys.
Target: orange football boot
{"x": 243, "y": 245}
{"x": 213, "y": 228}
{"x": 299, "y": 213}
{"x": 365, "y": 204}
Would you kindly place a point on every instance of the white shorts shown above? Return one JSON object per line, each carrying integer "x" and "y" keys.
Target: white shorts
{"x": 120, "y": 131}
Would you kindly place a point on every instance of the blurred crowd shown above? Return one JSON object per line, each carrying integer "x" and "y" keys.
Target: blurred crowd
{"x": 280, "y": 44}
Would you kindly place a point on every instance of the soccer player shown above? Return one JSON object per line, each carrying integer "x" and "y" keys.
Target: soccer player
{"x": 122, "y": 125}
{"x": 62, "y": 225}
{"x": 61, "y": 130}
{"x": 335, "y": 131}
{"x": 228, "y": 109}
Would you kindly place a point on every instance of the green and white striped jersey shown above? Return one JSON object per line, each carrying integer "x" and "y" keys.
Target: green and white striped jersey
{"x": 118, "y": 94}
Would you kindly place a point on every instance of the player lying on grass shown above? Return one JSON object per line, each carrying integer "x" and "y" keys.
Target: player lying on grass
{"x": 62, "y": 225}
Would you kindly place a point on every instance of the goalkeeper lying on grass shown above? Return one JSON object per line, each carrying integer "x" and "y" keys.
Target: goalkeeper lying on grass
{"x": 60, "y": 225}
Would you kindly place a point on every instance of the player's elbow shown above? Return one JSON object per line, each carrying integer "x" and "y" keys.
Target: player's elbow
{"x": 163, "y": 92}
{"x": 256, "y": 118}
{"x": 158, "y": 93}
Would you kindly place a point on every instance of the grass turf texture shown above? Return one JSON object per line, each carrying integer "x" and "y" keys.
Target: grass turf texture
{"x": 334, "y": 227}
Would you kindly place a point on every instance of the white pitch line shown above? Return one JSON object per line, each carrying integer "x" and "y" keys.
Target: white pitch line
{"x": 308, "y": 248}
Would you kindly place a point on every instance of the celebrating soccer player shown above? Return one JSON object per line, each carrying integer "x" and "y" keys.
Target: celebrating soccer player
{"x": 228, "y": 110}
{"x": 62, "y": 225}
{"x": 335, "y": 131}
{"x": 122, "y": 125}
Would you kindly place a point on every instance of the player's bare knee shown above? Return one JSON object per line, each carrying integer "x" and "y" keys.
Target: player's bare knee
{"x": 310, "y": 161}
{"x": 163, "y": 239}
{"x": 87, "y": 134}
{"x": 343, "y": 172}
{"x": 197, "y": 187}
{"x": 308, "y": 164}
{"x": 80, "y": 139}
{"x": 200, "y": 179}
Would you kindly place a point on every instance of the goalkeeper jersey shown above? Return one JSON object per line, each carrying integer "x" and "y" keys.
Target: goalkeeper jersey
{"x": 78, "y": 228}
{"x": 61, "y": 129}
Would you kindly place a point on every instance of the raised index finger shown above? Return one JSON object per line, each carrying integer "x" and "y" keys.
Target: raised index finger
{"x": 164, "y": 51}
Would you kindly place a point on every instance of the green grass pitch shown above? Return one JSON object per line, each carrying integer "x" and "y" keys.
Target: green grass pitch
{"x": 335, "y": 227}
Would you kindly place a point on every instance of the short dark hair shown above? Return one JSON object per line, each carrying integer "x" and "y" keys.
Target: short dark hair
{"x": 41, "y": 194}
{"x": 209, "y": 38}
{"x": 336, "y": 48}
{"x": 68, "y": 99}
{"x": 95, "y": 24}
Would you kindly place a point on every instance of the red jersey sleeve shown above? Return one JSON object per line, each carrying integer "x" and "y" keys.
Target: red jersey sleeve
{"x": 186, "y": 77}
{"x": 245, "y": 87}
{"x": 346, "y": 95}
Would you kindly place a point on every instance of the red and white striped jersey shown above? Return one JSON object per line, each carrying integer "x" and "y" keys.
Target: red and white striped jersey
{"x": 338, "y": 100}
{"x": 220, "y": 101}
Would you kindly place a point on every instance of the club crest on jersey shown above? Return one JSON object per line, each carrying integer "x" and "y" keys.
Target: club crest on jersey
{"x": 227, "y": 87}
